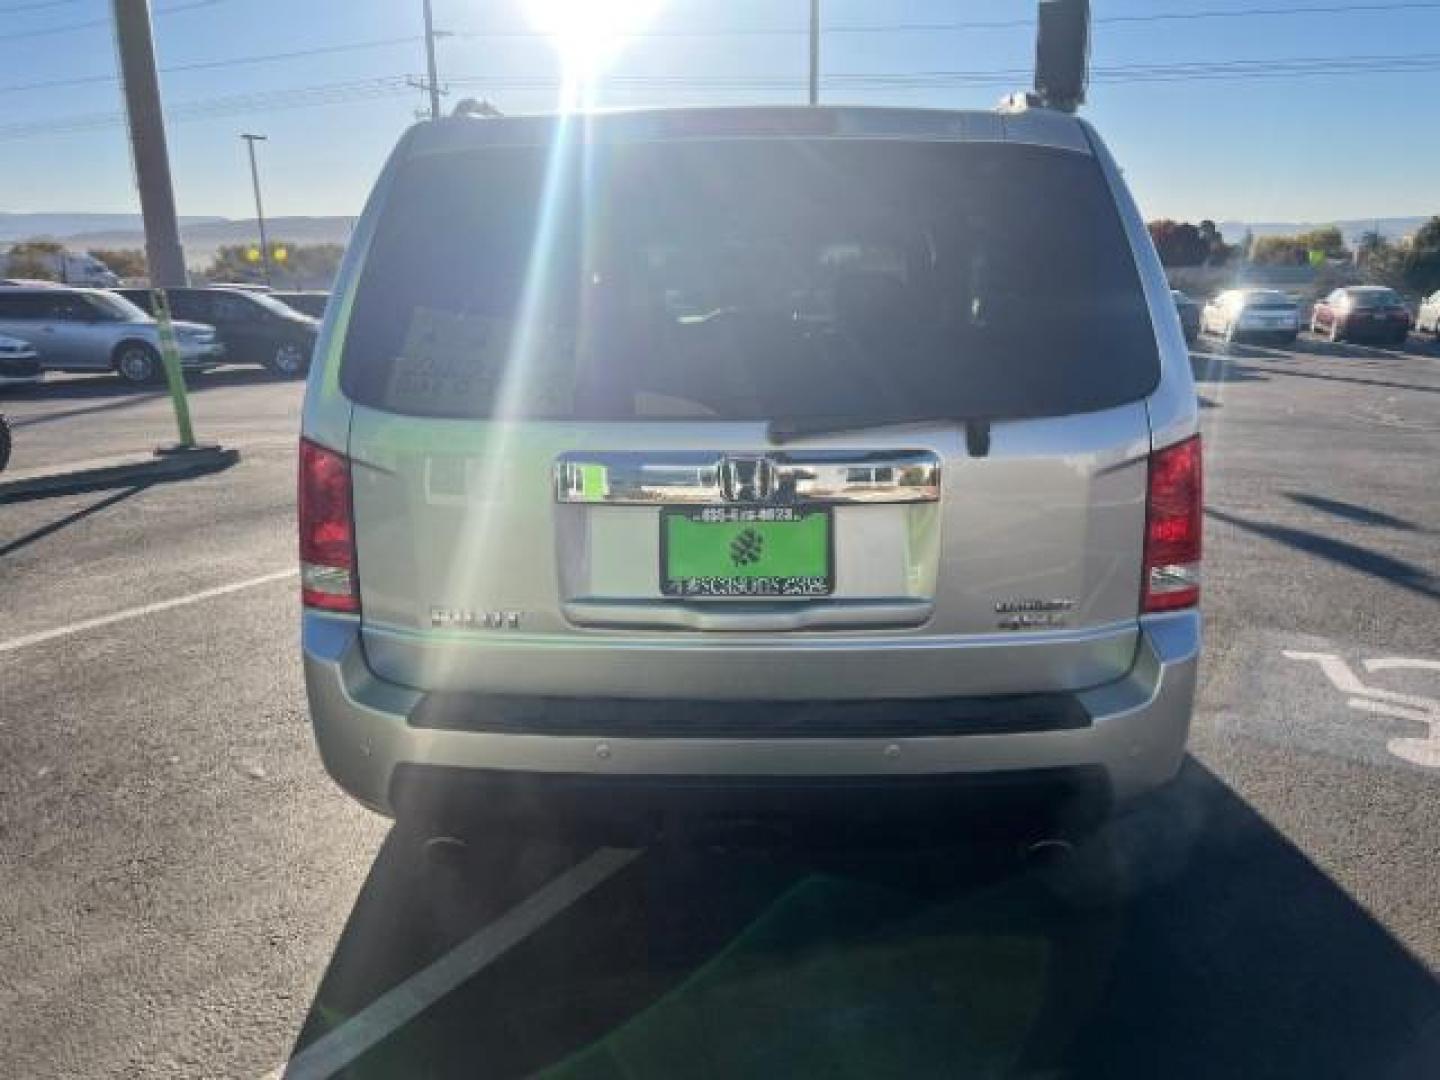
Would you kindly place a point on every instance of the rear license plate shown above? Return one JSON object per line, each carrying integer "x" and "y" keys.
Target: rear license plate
{"x": 745, "y": 551}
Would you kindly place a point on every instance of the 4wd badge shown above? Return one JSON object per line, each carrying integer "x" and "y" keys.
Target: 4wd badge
{"x": 466, "y": 619}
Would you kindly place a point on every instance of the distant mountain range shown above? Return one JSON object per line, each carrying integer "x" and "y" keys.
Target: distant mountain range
{"x": 202, "y": 235}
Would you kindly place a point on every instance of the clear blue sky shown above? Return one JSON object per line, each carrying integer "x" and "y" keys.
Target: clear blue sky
{"x": 1319, "y": 147}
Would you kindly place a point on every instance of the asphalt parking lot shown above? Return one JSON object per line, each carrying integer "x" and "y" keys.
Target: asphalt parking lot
{"x": 187, "y": 894}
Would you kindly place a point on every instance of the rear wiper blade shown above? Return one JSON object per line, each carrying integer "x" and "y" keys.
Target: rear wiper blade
{"x": 791, "y": 428}
{"x": 977, "y": 429}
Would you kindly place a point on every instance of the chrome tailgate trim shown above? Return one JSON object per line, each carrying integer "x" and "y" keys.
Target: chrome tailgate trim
{"x": 684, "y": 478}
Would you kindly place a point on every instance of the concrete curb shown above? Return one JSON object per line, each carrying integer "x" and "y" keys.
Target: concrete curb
{"x": 118, "y": 472}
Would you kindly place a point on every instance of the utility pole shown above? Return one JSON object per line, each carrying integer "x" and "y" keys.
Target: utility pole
{"x": 250, "y": 141}
{"x": 136, "y": 47}
{"x": 814, "y": 51}
{"x": 434, "y": 81}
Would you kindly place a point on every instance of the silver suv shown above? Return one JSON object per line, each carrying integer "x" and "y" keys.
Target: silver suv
{"x": 749, "y": 450}
{"x": 88, "y": 330}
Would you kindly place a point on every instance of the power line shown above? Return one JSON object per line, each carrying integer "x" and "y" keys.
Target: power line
{"x": 232, "y": 105}
{"x": 398, "y": 85}
{"x": 46, "y": 31}
{"x": 296, "y": 54}
{"x": 996, "y": 24}
{"x": 1238, "y": 13}
{"x": 841, "y": 28}
{"x": 206, "y": 65}
{"x": 42, "y": 4}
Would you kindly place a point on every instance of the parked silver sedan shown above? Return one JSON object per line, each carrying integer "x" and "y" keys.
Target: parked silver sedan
{"x": 1254, "y": 313}
{"x": 87, "y": 330}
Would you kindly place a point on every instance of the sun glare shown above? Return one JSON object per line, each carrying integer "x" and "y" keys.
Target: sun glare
{"x": 587, "y": 34}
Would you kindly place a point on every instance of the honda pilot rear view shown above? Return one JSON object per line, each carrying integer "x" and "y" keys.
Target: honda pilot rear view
{"x": 740, "y": 449}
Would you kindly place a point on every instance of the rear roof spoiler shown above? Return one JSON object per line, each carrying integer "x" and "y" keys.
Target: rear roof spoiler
{"x": 1032, "y": 126}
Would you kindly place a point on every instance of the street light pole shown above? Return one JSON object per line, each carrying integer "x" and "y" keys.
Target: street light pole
{"x": 814, "y": 52}
{"x": 163, "y": 255}
{"x": 434, "y": 83}
{"x": 250, "y": 141}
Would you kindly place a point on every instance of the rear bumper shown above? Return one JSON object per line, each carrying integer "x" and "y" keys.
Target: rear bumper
{"x": 1373, "y": 329}
{"x": 370, "y": 734}
{"x": 1249, "y": 330}
{"x": 200, "y": 356}
{"x": 20, "y": 369}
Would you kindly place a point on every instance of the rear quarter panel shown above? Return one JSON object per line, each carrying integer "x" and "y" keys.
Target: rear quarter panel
{"x": 1173, "y": 408}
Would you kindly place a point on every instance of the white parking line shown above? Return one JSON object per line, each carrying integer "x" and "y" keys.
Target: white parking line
{"x": 401, "y": 1004}
{"x": 145, "y": 609}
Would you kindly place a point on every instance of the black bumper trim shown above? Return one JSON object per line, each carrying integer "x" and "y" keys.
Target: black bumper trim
{"x": 641, "y": 718}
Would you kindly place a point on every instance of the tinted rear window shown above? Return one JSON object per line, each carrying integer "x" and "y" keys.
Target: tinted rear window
{"x": 1269, "y": 302}
{"x": 750, "y": 280}
{"x": 1368, "y": 298}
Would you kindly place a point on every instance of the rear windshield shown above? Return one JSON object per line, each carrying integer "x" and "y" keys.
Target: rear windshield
{"x": 270, "y": 304}
{"x": 1269, "y": 301}
{"x": 1374, "y": 298}
{"x": 750, "y": 280}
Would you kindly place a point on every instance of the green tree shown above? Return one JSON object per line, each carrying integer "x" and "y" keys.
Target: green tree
{"x": 231, "y": 263}
{"x": 1278, "y": 251}
{"x": 1427, "y": 237}
{"x": 313, "y": 265}
{"x": 1178, "y": 242}
{"x": 307, "y": 265}
{"x": 1380, "y": 262}
{"x": 1217, "y": 252}
{"x": 126, "y": 262}
{"x": 35, "y": 259}
{"x": 1370, "y": 244}
{"x": 1421, "y": 261}
{"x": 1327, "y": 239}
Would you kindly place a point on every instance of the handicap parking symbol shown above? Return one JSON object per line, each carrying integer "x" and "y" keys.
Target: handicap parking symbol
{"x": 1361, "y": 696}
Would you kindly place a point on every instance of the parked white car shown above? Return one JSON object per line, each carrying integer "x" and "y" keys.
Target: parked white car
{"x": 19, "y": 363}
{"x": 1253, "y": 313}
{"x": 1428, "y": 318}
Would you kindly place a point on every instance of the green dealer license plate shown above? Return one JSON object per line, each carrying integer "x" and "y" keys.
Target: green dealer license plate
{"x": 740, "y": 551}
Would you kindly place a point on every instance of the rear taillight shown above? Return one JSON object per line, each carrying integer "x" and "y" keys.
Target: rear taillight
{"x": 327, "y": 531}
{"x": 1173, "y": 524}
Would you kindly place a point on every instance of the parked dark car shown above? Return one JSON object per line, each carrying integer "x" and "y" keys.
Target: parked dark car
{"x": 1361, "y": 312}
{"x": 307, "y": 303}
{"x": 254, "y": 327}
{"x": 1189, "y": 312}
